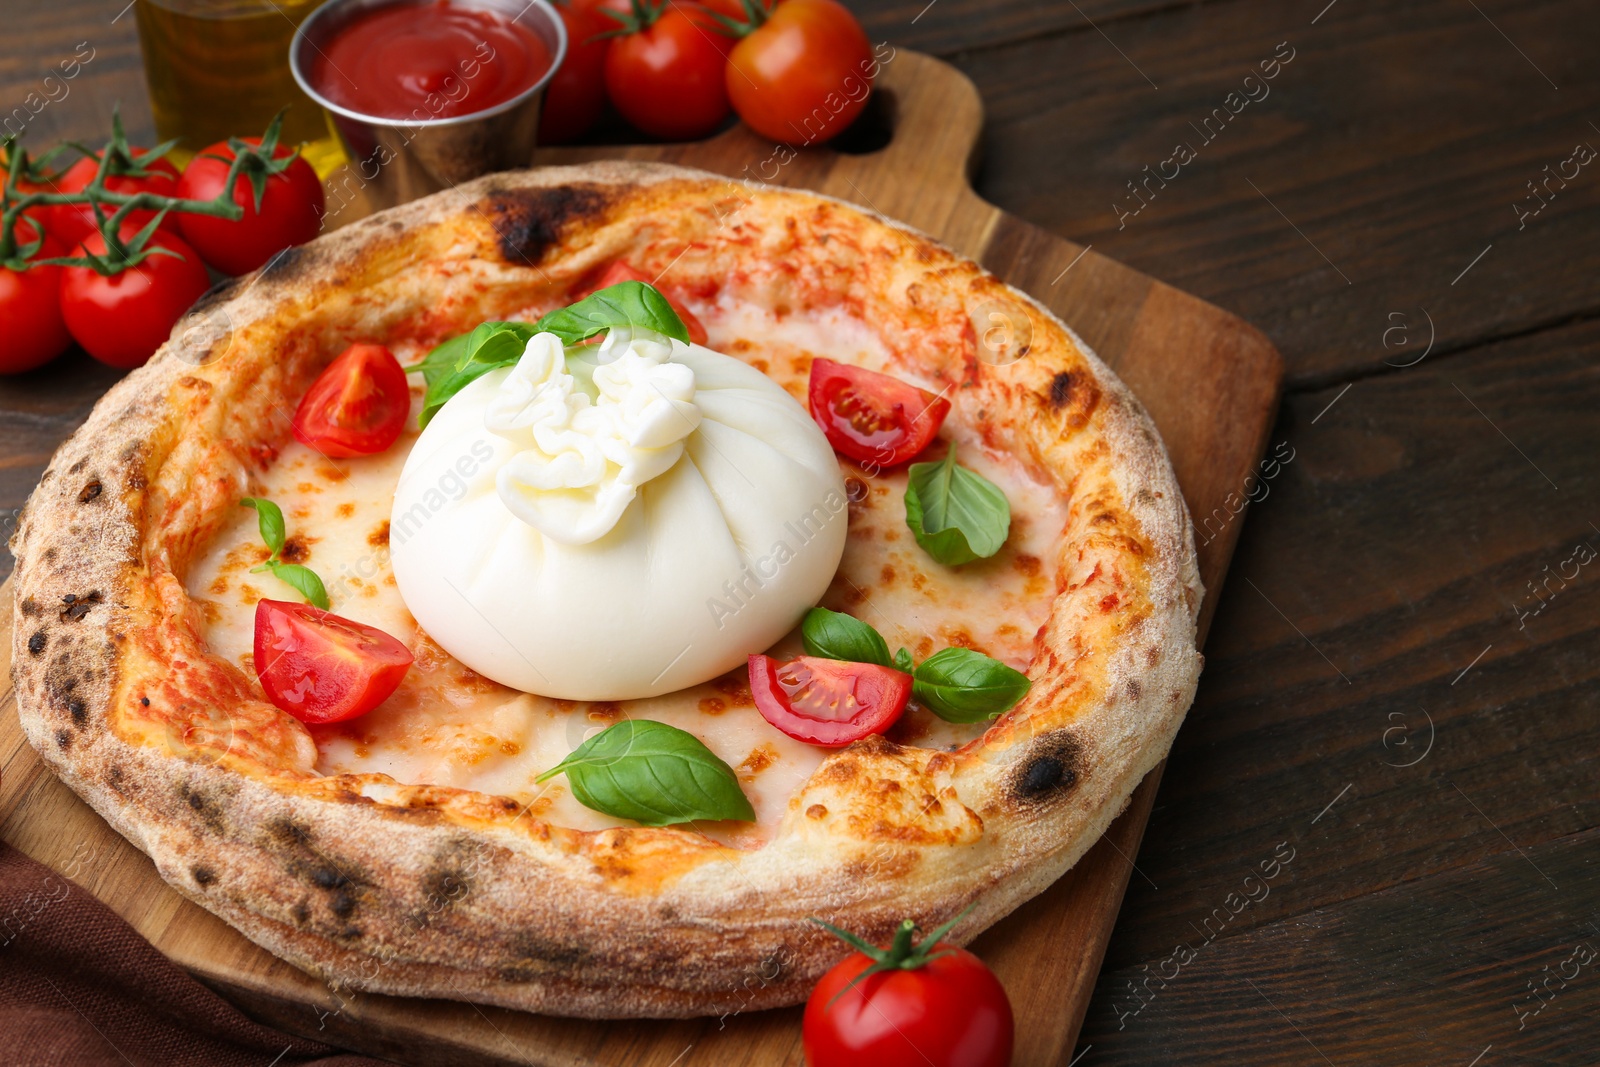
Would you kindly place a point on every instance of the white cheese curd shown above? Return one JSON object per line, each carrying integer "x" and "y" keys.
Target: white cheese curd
{"x": 617, "y": 521}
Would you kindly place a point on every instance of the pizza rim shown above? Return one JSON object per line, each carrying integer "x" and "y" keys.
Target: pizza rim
{"x": 674, "y": 939}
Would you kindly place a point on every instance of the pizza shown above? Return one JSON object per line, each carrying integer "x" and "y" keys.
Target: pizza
{"x": 580, "y": 510}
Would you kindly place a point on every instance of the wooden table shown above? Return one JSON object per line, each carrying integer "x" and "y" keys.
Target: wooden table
{"x": 1403, "y": 679}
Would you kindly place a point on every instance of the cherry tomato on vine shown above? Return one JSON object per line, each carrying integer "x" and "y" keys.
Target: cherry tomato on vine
{"x": 290, "y": 211}
{"x": 357, "y": 406}
{"x": 665, "y": 72}
{"x": 40, "y": 213}
{"x": 828, "y": 702}
{"x": 122, "y": 318}
{"x": 871, "y": 417}
{"x": 576, "y": 95}
{"x": 911, "y": 1005}
{"x": 321, "y": 667}
{"x": 72, "y": 223}
{"x": 32, "y": 332}
{"x": 621, "y": 272}
{"x": 803, "y": 74}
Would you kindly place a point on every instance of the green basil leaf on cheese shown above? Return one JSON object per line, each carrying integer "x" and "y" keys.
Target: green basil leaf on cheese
{"x": 632, "y": 304}
{"x": 956, "y": 514}
{"x": 442, "y": 360}
{"x": 497, "y": 344}
{"x": 303, "y": 579}
{"x": 654, "y": 774}
{"x": 902, "y": 661}
{"x": 835, "y": 635}
{"x": 462, "y": 360}
{"x": 269, "y": 519}
{"x": 960, "y": 685}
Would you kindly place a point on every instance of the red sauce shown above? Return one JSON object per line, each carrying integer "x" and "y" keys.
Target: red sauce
{"x": 429, "y": 61}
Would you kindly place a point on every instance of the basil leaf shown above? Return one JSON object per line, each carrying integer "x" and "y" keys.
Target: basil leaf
{"x": 654, "y": 774}
{"x": 269, "y": 519}
{"x": 442, "y": 360}
{"x": 960, "y": 685}
{"x": 956, "y": 515}
{"x": 462, "y": 360}
{"x": 304, "y": 580}
{"x": 835, "y": 635}
{"x": 633, "y": 304}
{"x": 902, "y": 661}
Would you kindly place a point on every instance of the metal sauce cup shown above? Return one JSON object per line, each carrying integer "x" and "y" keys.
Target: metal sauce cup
{"x": 397, "y": 160}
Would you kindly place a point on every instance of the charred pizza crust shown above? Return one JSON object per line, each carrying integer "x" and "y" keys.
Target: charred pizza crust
{"x": 431, "y": 891}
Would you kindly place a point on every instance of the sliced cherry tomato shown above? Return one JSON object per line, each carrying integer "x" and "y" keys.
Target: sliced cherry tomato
{"x": 828, "y": 702}
{"x": 925, "y": 1006}
{"x": 122, "y": 318}
{"x": 320, "y": 667}
{"x": 357, "y": 406}
{"x": 666, "y": 74}
{"x": 804, "y": 74}
{"x": 576, "y": 95}
{"x": 290, "y": 213}
{"x": 621, "y": 272}
{"x": 72, "y": 223}
{"x": 872, "y": 417}
{"x": 32, "y": 331}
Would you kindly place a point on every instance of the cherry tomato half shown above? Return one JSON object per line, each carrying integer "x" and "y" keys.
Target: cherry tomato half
{"x": 576, "y": 95}
{"x": 667, "y": 78}
{"x": 32, "y": 331}
{"x": 804, "y": 75}
{"x": 357, "y": 406}
{"x": 949, "y": 1012}
{"x": 121, "y": 319}
{"x": 290, "y": 214}
{"x": 872, "y": 417}
{"x": 320, "y": 667}
{"x": 620, "y": 272}
{"x": 72, "y": 223}
{"x": 828, "y": 702}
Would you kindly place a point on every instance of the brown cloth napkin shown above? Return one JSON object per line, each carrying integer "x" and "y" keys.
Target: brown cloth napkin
{"x": 79, "y": 988}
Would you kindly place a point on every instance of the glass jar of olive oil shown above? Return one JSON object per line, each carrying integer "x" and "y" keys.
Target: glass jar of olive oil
{"x": 220, "y": 68}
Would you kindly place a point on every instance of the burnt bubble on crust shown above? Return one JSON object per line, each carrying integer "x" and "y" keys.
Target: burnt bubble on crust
{"x": 529, "y": 221}
{"x": 1049, "y": 770}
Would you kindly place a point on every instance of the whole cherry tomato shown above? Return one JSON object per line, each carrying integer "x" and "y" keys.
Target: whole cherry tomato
{"x": 72, "y": 223}
{"x": 620, "y": 272}
{"x": 40, "y": 213}
{"x": 828, "y": 702}
{"x": 911, "y": 1005}
{"x": 32, "y": 332}
{"x": 665, "y": 73}
{"x": 357, "y": 406}
{"x": 872, "y": 417}
{"x": 803, "y": 74}
{"x": 121, "y": 319}
{"x": 290, "y": 211}
{"x": 576, "y": 95}
{"x": 321, "y": 667}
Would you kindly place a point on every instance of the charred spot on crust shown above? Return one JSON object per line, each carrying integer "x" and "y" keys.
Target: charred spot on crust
{"x": 36, "y": 643}
{"x": 203, "y": 876}
{"x": 63, "y": 739}
{"x": 302, "y": 913}
{"x": 76, "y": 607}
{"x": 328, "y": 878}
{"x": 90, "y": 492}
{"x": 287, "y": 264}
{"x": 529, "y": 221}
{"x": 444, "y": 886}
{"x": 1050, "y": 770}
{"x": 289, "y": 833}
{"x": 1061, "y": 389}
{"x": 539, "y": 955}
{"x": 342, "y": 904}
{"x": 29, "y": 608}
{"x": 295, "y": 551}
{"x": 217, "y": 294}
{"x": 202, "y": 806}
{"x": 79, "y": 713}
{"x": 1076, "y": 390}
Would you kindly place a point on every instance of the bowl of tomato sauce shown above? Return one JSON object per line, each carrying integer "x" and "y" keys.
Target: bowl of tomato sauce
{"x": 428, "y": 93}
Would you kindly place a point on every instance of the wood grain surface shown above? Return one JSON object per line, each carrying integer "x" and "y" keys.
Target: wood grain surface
{"x": 1401, "y": 541}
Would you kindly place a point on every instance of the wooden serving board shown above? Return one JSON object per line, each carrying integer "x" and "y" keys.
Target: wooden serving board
{"x": 1210, "y": 381}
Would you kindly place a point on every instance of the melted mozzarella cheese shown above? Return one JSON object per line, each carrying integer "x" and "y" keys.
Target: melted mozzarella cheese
{"x": 447, "y": 725}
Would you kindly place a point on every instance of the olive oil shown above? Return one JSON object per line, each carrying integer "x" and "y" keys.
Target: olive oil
{"x": 220, "y": 68}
